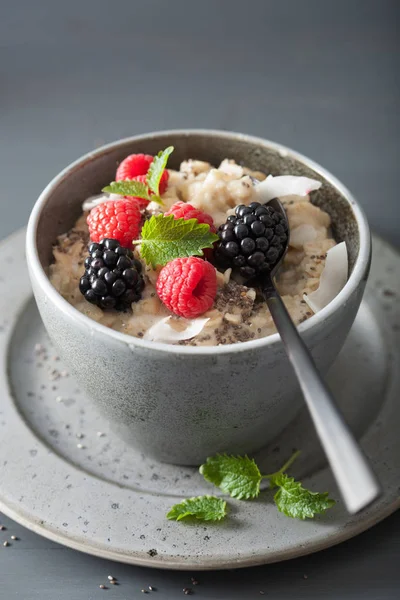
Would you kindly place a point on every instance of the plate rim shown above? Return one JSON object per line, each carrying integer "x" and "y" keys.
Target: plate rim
{"x": 169, "y": 563}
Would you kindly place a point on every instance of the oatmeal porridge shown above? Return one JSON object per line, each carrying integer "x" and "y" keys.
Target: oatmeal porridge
{"x": 233, "y": 312}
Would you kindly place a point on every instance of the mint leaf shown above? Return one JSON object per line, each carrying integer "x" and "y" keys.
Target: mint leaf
{"x": 166, "y": 238}
{"x": 128, "y": 187}
{"x": 295, "y": 501}
{"x": 205, "y": 508}
{"x": 156, "y": 169}
{"x": 239, "y": 476}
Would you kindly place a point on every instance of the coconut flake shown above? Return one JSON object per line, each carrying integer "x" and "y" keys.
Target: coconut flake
{"x": 93, "y": 201}
{"x": 285, "y": 185}
{"x": 227, "y": 275}
{"x": 163, "y": 332}
{"x": 302, "y": 235}
{"x": 333, "y": 278}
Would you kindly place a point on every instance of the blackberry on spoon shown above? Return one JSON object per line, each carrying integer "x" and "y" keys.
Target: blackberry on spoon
{"x": 253, "y": 240}
{"x": 112, "y": 277}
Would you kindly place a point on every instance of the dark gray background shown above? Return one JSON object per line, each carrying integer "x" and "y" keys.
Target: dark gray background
{"x": 319, "y": 76}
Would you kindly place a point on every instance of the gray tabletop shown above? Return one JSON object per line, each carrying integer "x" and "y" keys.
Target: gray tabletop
{"x": 319, "y": 76}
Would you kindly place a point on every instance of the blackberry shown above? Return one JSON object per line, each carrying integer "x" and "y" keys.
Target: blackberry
{"x": 112, "y": 277}
{"x": 251, "y": 241}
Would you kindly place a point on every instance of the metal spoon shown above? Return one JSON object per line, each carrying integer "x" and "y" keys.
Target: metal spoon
{"x": 354, "y": 476}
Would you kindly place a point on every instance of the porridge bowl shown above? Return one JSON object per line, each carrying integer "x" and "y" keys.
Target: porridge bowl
{"x": 181, "y": 403}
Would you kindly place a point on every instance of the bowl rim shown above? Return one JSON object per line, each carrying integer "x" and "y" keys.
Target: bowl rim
{"x": 37, "y": 271}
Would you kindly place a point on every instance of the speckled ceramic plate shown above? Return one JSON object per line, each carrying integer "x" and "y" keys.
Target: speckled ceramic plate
{"x": 65, "y": 475}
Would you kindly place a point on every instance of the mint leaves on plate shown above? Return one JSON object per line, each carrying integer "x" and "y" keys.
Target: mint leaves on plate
{"x": 166, "y": 238}
{"x": 205, "y": 508}
{"x": 240, "y": 477}
{"x": 131, "y": 187}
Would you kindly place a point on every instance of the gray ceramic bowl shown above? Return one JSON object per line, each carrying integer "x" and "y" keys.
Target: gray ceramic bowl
{"x": 182, "y": 404}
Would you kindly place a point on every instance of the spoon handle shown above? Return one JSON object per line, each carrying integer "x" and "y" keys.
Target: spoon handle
{"x": 354, "y": 476}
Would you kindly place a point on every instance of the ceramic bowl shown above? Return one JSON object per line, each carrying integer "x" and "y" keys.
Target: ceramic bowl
{"x": 181, "y": 404}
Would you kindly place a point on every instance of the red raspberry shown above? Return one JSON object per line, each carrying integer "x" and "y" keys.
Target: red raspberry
{"x": 187, "y": 286}
{"x": 163, "y": 182}
{"x": 116, "y": 219}
{"x": 183, "y": 210}
{"x": 135, "y": 166}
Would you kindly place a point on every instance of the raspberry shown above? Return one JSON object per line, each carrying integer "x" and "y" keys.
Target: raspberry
{"x": 183, "y": 210}
{"x": 187, "y": 286}
{"x": 163, "y": 182}
{"x": 115, "y": 219}
{"x": 135, "y": 166}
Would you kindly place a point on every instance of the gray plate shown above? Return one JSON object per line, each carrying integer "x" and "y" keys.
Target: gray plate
{"x": 91, "y": 492}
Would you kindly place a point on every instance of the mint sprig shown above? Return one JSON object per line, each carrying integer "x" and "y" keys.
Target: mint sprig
{"x": 204, "y": 508}
{"x": 138, "y": 189}
{"x": 239, "y": 476}
{"x": 166, "y": 238}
